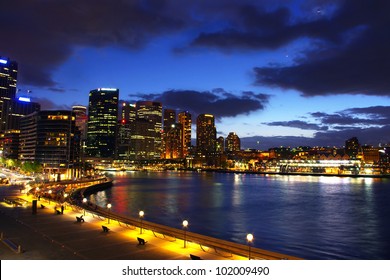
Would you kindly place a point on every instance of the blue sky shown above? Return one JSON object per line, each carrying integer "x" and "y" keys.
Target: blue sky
{"x": 275, "y": 72}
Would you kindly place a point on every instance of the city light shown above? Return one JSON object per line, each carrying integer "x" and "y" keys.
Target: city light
{"x": 24, "y": 99}
{"x": 3, "y": 61}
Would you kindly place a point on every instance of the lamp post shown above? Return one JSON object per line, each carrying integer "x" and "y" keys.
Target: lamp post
{"x": 185, "y": 224}
{"x": 84, "y": 201}
{"x": 109, "y": 207}
{"x": 50, "y": 191}
{"x": 249, "y": 238}
{"x": 141, "y": 215}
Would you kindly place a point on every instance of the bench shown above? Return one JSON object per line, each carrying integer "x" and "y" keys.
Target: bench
{"x": 141, "y": 241}
{"x": 43, "y": 206}
{"x": 80, "y": 219}
{"x": 193, "y": 257}
{"x": 12, "y": 245}
{"x": 105, "y": 229}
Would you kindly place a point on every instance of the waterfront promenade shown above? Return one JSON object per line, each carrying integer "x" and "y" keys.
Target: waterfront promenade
{"x": 47, "y": 235}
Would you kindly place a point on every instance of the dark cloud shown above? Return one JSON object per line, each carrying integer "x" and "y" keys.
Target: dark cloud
{"x": 298, "y": 124}
{"x": 370, "y": 124}
{"x": 217, "y": 102}
{"x": 369, "y": 116}
{"x": 41, "y": 35}
{"x": 47, "y": 104}
{"x": 354, "y": 60}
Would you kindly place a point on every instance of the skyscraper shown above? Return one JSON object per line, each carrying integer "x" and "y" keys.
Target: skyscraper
{"x": 8, "y": 78}
{"x": 102, "y": 122}
{"x": 126, "y": 132}
{"x": 151, "y": 112}
{"x": 184, "y": 118}
{"x": 205, "y": 134}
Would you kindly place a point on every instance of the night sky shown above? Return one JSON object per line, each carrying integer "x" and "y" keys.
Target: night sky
{"x": 276, "y": 72}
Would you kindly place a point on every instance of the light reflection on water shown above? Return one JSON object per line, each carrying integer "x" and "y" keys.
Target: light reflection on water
{"x": 307, "y": 216}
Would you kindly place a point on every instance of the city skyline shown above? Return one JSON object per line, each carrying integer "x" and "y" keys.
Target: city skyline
{"x": 297, "y": 73}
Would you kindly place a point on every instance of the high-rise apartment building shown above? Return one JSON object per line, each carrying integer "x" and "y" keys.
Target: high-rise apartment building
{"x": 184, "y": 118}
{"x": 205, "y": 134}
{"x": 233, "y": 142}
{"x": 102, "y": 122}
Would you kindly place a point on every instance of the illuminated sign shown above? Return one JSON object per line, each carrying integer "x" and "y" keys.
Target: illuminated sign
{"x": 107, "y": 89}
{"x": 24, "y": 99}
{"x": 3, "y": 61}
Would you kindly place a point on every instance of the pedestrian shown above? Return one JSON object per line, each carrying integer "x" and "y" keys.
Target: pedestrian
{"x": 62, "y": 209}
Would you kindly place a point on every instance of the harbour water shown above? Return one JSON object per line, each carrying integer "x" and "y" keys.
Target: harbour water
{"x": 311, "y": 217}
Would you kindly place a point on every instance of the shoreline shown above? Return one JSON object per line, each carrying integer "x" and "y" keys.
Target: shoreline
{"x": 300, "y": 174}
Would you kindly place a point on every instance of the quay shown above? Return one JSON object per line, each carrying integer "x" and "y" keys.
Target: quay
{"x": 48, "y": 235}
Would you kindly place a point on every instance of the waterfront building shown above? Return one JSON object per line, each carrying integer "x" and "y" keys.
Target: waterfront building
{"x": 102, "y": 123}
{"x": 52, "y": 139}
{"x": 233, "y": 143}
{"x": 184, "y": 118}
{"x": 151, "y": 112}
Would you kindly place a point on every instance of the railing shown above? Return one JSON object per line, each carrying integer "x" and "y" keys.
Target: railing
{"x": 206, "y": 243}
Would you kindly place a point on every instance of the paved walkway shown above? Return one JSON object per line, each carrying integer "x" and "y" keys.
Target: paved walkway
{"x": 47, "y": 235}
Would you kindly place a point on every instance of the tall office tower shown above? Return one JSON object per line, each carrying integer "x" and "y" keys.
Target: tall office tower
{"x": 184, "y": 118}
{"x": 102, "y": 123}
{"x": 152, "y": 113}
{"x": 205, "y": 134}
{"x": 51, "y": 138}
{"x": 81, "y": 119}
{"x": 173, "y": 142}
{"x": 126, "y": 129}
{"x": 233, "y": 142}
{"x": 169, "y": 119}
{"x": 8, "y": 78}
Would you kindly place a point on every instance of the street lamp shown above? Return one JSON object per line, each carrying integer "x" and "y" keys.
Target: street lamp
{"x": 185, "y": 224}
{"x": 50, "y": 191}
{"x": 249, "y": 238}
{"x": 84, "y": 201}
{"x": 109, "y": 207}
{"x": 141, "y": 215}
